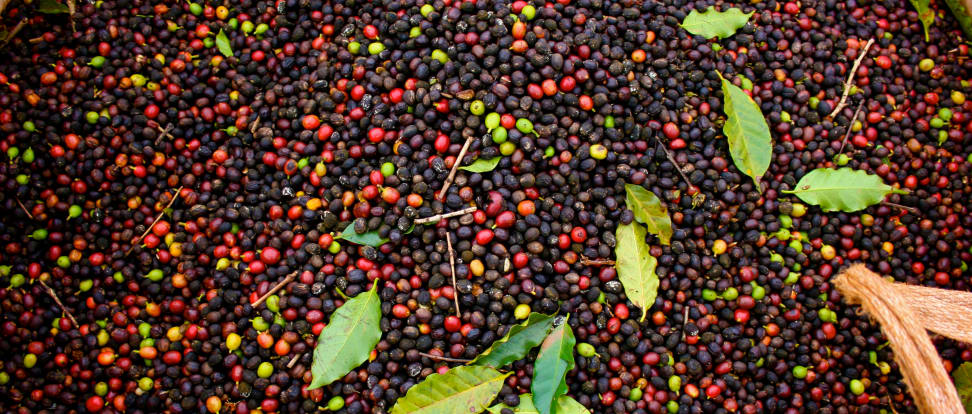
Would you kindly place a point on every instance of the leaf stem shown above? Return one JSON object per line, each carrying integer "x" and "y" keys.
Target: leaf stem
{"x": 341, "y": 293}
{"x": 850, "y": 79}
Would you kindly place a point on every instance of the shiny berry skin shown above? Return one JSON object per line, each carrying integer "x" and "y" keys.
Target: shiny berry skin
{"x": 452, "y": 323}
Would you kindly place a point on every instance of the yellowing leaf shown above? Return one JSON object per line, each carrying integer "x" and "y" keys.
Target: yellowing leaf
{"x": 750, "y": 143}
{"x": 650, "y": 211}
{"x": 517, "y": 342}
{"x": 713, "y": 23}
{"x": 844, "y": 190}
{"x": 463, "y": 389}
{"x": 556, "y": 357}
{"x": 348, "y": 339}
{"x": 636, "y": 266}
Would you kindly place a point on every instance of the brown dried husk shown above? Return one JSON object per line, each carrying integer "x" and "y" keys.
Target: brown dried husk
{"x": 904, "y": 313}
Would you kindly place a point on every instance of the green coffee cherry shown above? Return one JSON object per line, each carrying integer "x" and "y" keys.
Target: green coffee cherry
{"x": 265, "y": 370}
{"x": 492, "y": 120}
{"x": 155, "y": 275}
{"x": 337, "y": 402}
{"x": 499, "y": 135}
{"x": 477, "y": 107}
{"x": 586, "y": 350}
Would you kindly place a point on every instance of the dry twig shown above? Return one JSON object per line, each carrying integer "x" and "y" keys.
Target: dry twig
{"x": 850, "y": 79}
{"x": 698, "y": 198}
{"x": 452, "y": 265}
{"x": 157, "y": 218}
{"x": 276, "y": 288}
{"x": 72, "y": 9}
{"x": 455, "y": 166}
{"x": 59, "y": 303}
{"x": 13, "y": 32}
{"x": 23, "y": 207}
{"x": 447, "y": 359}
{"x": 911, "y": 210}
{"x": 849, "y": 127}
{"x": 596, "y": 262}
{"x": 438, "y": 217}
{"x": 3, "y": 5}
{"x": 163, "y": 133}
{"x": 293, "y": 361}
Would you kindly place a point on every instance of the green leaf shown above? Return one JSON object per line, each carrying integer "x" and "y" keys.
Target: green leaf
{"x": 51, "y": 7}
{"x": 844, "y": 190}
{"x": 713, "y": 23}
{"x": 517, "y": 342}
{"x": 961, "y": 13}
{"x": 750, "y": 143}
{"x": 650, "y": 211}
{"x": 925, "y": 14}
{"x": 348, "y": 339}
{"x": 565, "y": 405}
{"x": 223, "y": 43}
{"x": 636, "y": 266}
{"x": 963, "y": 384}
{"x": 370, "y": 238}
{"x": 481, "y": 165}
{"x": 556, "y": 357}
{"x": 463, "y": 389}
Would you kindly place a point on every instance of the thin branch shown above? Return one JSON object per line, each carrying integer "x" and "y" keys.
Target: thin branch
{"x": 254, "y": 125}
{"x": 850, "y": 126}
{"x": 911, "y": 210}
{"x": 452, "y": 264}
{"x": 671, "y": 159}
{"x": 455, "y": 166}
{"x": 698, "y": 198}
{"x": 447, "y": 359}
{"x": 163, "y": 133}
{"x": 3, "y": 5}
{"x": 157, "y": 218}
{"x": 684, "y": 321}
{"x": 438, "y": 217}
{"x": 23, "y": 207}
{"x": 59, "y": 303}
{"x": 72, "y": 9}
{"x": 596, "y": 262}
{"x": 13, "y": 32}
{"x": 850, "y": 79}
{"x": 275, "y": 289}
